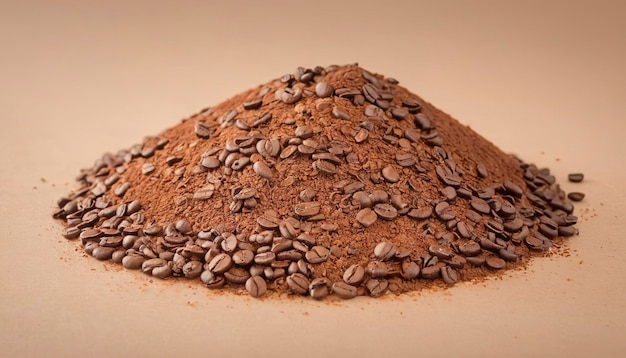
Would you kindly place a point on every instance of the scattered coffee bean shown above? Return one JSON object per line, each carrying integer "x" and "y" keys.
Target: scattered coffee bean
{"x": 575, "y": 196}
{"x": 576, "y": 177}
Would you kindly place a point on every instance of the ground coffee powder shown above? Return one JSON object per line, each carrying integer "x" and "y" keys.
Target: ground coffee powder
{"x": 325, "y": 181}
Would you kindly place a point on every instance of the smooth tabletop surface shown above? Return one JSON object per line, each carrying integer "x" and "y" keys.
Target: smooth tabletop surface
{"x": 542, "y": 79}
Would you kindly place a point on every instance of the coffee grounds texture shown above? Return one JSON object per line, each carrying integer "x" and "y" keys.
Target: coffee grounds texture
{"x": 326, "y": 181}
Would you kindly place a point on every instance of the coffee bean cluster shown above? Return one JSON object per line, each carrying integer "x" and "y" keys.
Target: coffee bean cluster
{"x": 326, "y": 181}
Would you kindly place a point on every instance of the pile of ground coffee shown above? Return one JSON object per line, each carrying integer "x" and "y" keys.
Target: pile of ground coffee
{"x": 325, "y": 181}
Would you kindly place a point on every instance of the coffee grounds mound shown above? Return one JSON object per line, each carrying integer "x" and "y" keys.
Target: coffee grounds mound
{"x": 325, "y": 181}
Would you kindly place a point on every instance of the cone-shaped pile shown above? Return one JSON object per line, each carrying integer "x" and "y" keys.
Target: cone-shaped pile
{"x": 327, "y": 181}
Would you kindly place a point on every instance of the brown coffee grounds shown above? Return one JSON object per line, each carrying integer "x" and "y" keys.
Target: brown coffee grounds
{"x": 327, "y": 181}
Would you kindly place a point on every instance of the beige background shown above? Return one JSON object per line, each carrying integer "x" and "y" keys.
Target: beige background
{"x": 543, "y": 79}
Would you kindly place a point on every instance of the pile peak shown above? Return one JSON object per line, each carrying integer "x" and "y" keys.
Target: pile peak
{"x": 329, "y": 180}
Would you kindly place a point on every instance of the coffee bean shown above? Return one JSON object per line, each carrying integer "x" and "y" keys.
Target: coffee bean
{"x": 476, "y": 260}
{"x": 354, "y": 275}
{"x": 304, "y": 132}
{"x": 291, "y": 95}
{"x": 513, "y": 188}
{"x": 390, "y": 174}
{"x": 379, "y": 196}
{"x": 405, "y": 159}
{"x": 470, "y": 248}
{"x": 325, "y": 166}
{"x": 480, "y": 205}
{"x": 192, "y": 269}
{"x": 431, "y": 272}
{"x": 204, "y": 193}
{"x": 236, "y": 275}
{"x": 220, "y": 264}
{"x": 307, "y": 194}
{"x": 298, "y": 283}
{"x": 385, "y": 250}
{"x": 265, "y": 258}
{"x": 575, "y": 196}
{"x": 245, "y": 193}
{"x": 147, "y": 168}
{"x": 422, "y": 122}
{"x": 212, "y": 280}
{"x": 410, "y": 270}
{"x": 495, "y": 263}
{"x": 449, "y": 275}
{"x": 449, "y": 193}
{"x": 377, "y": 269}
{"x": 262, "y": 170}
{"x": 318, "y": 288}
{"x": 71, "y": 233}
{"x": 340, "y": 113}
{"x": 202, "y": 129}
{"x": 256, "y": 286}
{"x": 376, "y": 288}
{"x": 324, "y": 89}
{"x": 343, "y": 290}
{"x": 183, "y": 226}
{"x": 307, "y": 208}
{"x": 317, "y": 254}
{"x": 444, "y": 211}
{"x": 366, "y": 217}
{"x": 576, "y": 177}
{"x": 254, "y": 104}
{"x": 103, "y": 253}
{"x": 243, "y": 257}
{"x": 386, "y": 211}
{"x": 481, "y": 170}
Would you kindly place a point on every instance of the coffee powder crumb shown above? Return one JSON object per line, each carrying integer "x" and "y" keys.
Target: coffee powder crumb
{"x": 326, "y": 181}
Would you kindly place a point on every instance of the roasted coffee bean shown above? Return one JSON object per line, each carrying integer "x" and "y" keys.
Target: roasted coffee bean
{"x": 495, "y": 263}
{"x": 449, "y": 275}
{"x": 192, "y": 269}
{"x": 444, "y": 211}
{"x": 410, "y": 270}
{"x": 265, "y": 258}
{"x": 354, "y": 275}
{"x": 431, "y": 272}
{"x": 470, "y": 248}
{"x": 103, "y": 253}
{"x": 262, "y": 170}
{"x": 324, "y": 89}
{"x": 317, "y": 254}
{"x": 212, "y": 280}
{"x": 385, "y": 211}
{"x": 237, "y": 275}
{"x": 440, "y": 251}
{"x": 256, "y": 286}
{"x": 325, "y": 166}
{"x": 298, "y": 283}
{"x": 390, "y": 174}
{"x": 340, "y": 113}
{"x": 366, "y": 217}
{"x": 308, "y": 208}
{"x": 377, "y": 269}
{"x": 254, "y": 104}
{"x": 307, "y": 194}
{"x": 384, "y": 251}
{"x": 376, "y": 288}
{"x": 379, "y": 196}
{"x": 481, "y": 170}
{"x": 421, "y": 213}
{"x": 576, "y": 177}
{"x": 344, "y": 290}
{"x": 220, "y": 264}
{"x": 319, "y": 288}
{"x": 203, "y": 130}
{"x": 576, "y": 196}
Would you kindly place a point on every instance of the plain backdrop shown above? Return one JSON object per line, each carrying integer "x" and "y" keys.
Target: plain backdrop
{"x": 542, "y": 79}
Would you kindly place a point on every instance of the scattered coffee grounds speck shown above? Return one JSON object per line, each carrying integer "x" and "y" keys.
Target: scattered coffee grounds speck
{"x": 326, "y": 181}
